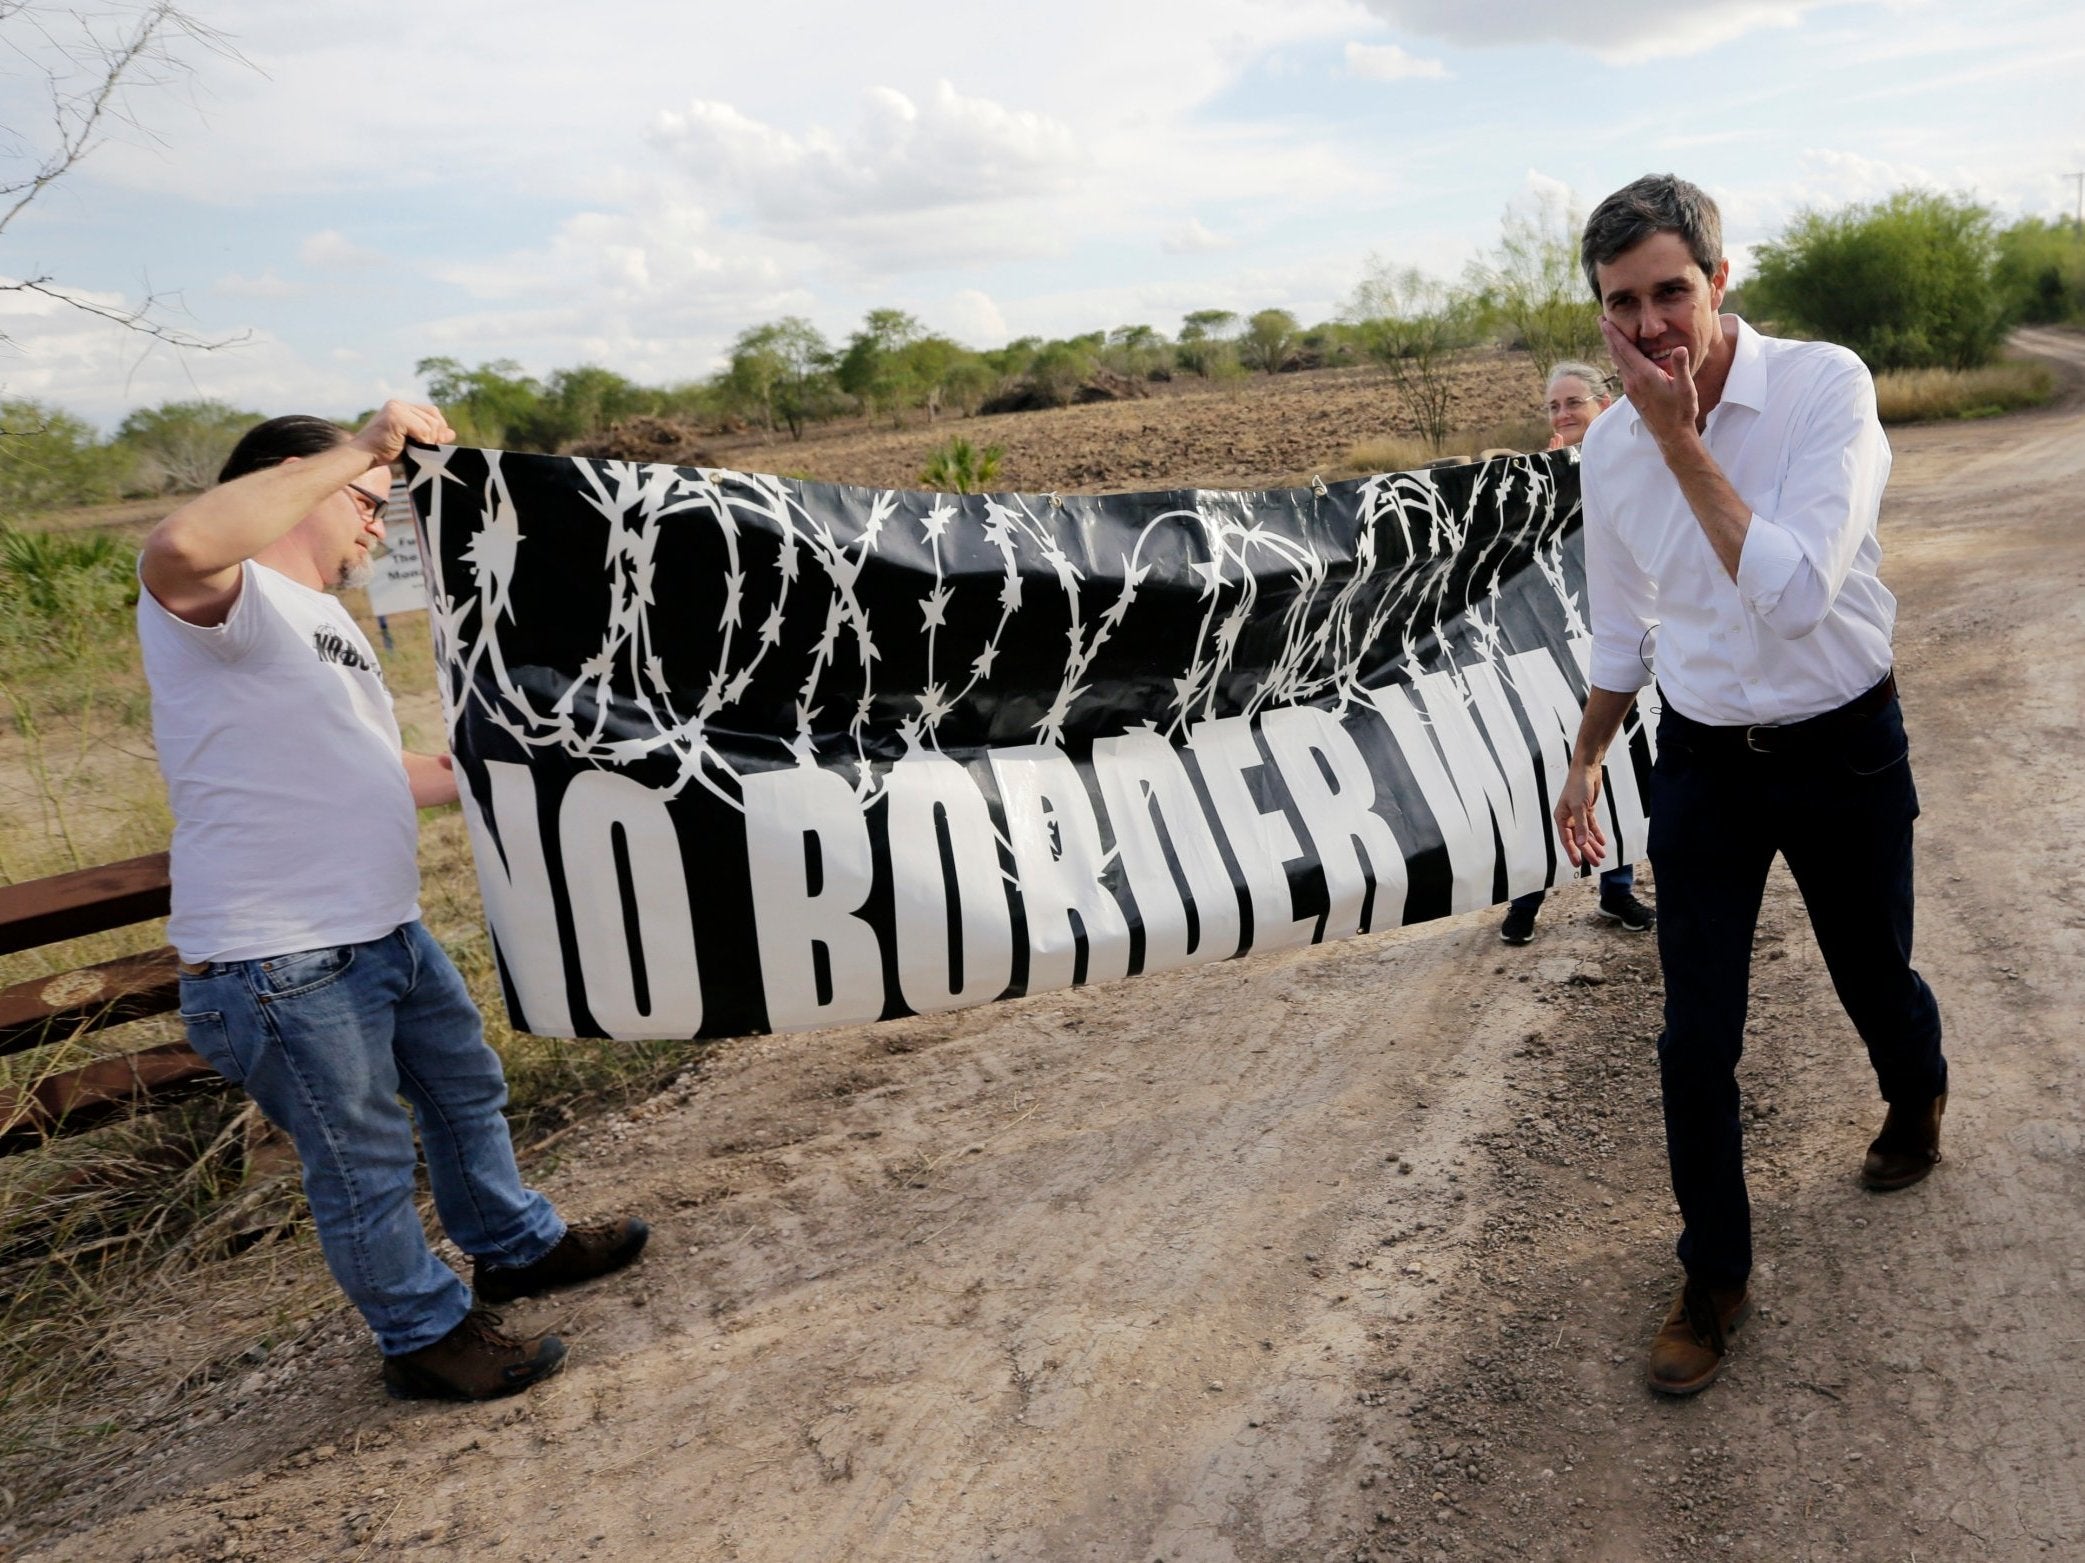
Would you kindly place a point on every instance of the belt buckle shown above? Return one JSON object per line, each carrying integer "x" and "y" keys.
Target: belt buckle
{"x": 1752, "y": 741}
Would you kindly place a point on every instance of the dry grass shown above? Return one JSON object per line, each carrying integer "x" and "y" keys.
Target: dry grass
{"x": 1920, "y": 395}
{"x": 1405, "y": 453}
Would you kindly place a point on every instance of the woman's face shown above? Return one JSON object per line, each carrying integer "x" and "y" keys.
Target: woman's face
{"x": 1573, "y": 405}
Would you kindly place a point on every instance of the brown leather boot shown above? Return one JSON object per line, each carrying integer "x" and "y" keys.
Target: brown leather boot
{"x": 1687, "y": 1353}
{"x": 580, "y": 1255}
{"x": 475, "y": 1361}
{"x": 1908, "y": 1147}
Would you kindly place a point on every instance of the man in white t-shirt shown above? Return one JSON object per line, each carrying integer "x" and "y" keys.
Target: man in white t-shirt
{"x": 306, "y": 976}
{"x": 1733, "y": 506}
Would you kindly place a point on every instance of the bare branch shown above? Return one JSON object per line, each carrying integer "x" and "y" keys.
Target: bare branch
{"x": 138, "y": 318}
{"x": 91, "y": 58}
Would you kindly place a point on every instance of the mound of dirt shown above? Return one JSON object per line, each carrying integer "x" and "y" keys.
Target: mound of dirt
{"x": 1103, "y": 385}
{"x": 646, "y": 438}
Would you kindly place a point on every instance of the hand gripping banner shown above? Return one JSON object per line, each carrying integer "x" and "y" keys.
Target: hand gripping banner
{"x": 742, "y": 753}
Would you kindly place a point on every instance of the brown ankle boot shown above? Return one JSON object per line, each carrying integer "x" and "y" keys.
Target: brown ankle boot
{"x": 1908, "y": 1147}
{"x": 580, "y": 1255}
{"x": 475, "y": 1361}
{"x": 1687, "y": 1353}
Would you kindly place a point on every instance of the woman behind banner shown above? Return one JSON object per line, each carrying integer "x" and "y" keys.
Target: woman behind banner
{"x": 1577, "y": 394}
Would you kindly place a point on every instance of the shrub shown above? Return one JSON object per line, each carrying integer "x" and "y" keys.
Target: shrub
{"x": 1907, "y": 282}
{"x": 49, "y": 460}
{"x": 2041, "y": 270}
{"x": 1058, "y": 369}
{"x": 960, "y": 468}
{"x": 1413, "y": 325}
{"x": 65, "y": 599}
{"x": 181, "y": 446}
{"x": 1208, "y": 344}
{"x": 1532, "y": 285}
{"x": 1268, "y": 337}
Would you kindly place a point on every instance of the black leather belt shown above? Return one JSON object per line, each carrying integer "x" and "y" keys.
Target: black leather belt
{"x": 1786, "y": 737}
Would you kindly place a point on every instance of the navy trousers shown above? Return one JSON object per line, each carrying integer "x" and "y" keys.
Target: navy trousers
{"x": 1839, "y": 808}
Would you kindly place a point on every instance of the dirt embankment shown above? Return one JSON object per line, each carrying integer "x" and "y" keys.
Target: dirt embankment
{"x": 1257, "y": 432}
{"x": 1341, "y": 1253}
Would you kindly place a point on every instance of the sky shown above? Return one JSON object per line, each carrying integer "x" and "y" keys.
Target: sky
{"x": 349, "y": 190}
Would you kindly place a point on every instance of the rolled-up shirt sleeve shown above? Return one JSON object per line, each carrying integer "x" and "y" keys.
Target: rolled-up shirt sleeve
{"x": 1621, "y": 601}
{"x": 1795, "y": 560}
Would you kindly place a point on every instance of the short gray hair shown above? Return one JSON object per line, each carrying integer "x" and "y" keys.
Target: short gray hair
{"x": 1656, "y": 203}
{"x": 1572, "y": 369}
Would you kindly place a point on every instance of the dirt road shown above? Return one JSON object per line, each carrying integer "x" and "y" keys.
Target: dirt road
{"x": 1345, "y": 1253}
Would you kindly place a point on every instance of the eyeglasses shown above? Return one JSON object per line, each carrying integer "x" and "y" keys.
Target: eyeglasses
{"x": 374, "y": 504}
{"x": 1570, "y": 404}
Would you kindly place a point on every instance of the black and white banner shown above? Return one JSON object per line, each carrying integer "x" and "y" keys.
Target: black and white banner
{"x": 744, "y": 753}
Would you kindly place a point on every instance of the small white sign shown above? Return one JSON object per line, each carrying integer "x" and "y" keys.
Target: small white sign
{"x": 399, "y": 586}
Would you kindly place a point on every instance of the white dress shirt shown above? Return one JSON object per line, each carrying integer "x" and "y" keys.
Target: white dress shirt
{"x": 1806, "y": 625}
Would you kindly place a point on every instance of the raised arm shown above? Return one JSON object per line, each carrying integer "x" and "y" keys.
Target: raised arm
{"x": 191, "y": 560}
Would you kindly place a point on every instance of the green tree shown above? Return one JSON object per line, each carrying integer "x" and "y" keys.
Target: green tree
{"x": 783, "y": 370}
{"x": 582, "y": 401}
{"x": 1138, "y": 352}
{"x": 1268, "y": 337}
{"x": 960, "y": 468}
{"x": 180, "y": 446}
{"x": 484, "y": 404}
{"x": 50, "y": 460}
{"x": 1907, "y": 282}
{"x": 873, "y": 369}
{"x": 967, "y": 382}
{"x": 1059, "y": 369}
{"x": 1533, "y": 284}
{"x": 1413, "y": 325}
{"x": 1207, "y": 346}
{"x": 1330, "y": 344}
{"x": 2041, "y": 270}
{"x": 939, "y": 374}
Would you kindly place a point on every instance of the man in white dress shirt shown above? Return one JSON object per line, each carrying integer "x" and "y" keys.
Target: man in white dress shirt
{"x": 1731, "y": 508}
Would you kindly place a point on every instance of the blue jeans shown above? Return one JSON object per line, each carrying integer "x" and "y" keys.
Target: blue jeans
{"x": 1840, "y": 811}
{"x": 1616, "y": 882}
{"x": 326, "y": 1041}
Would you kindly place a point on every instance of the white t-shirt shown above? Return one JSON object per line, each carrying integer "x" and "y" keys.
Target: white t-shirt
{"x": 294, "y": 825}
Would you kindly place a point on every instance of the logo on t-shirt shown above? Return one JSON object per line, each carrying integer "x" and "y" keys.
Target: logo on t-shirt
{"x": 332, "y": 646}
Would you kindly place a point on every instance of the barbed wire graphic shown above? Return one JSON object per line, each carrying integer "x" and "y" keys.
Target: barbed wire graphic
{"x": 1330, "y": 590}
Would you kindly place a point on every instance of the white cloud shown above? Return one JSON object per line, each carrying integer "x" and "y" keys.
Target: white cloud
{"x": 1194, "y": 238}
{"x": 902, "y": 158}
{"x": 331, "y": 250}
{"x": 1618, "y": 31}
{"x": 101, "y": 371}
{"x": 972, "y": 318}
{"x": 1824, "y": 178}
{"x": 1387, "y": 62}
{"x": 266, "y": 286}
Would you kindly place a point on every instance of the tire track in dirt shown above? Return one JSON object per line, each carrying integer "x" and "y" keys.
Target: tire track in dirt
{"x": 964, "y": 1287}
